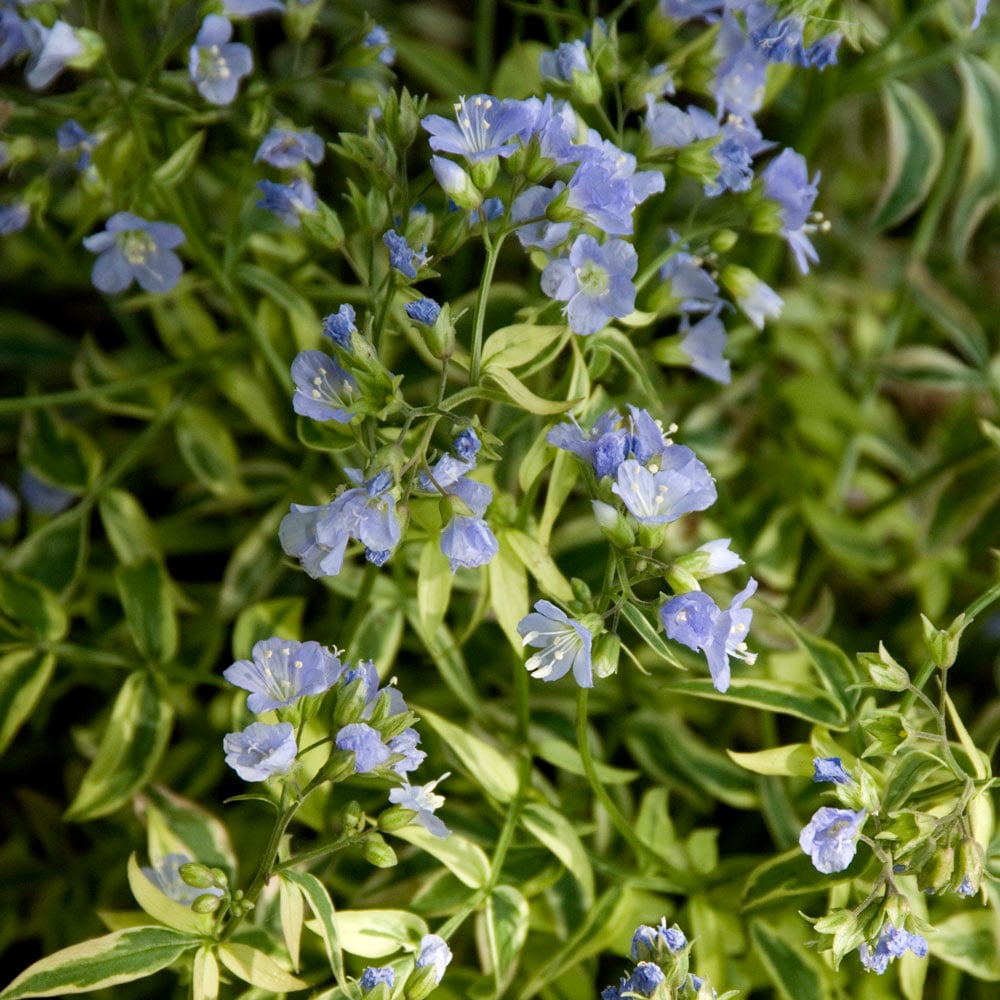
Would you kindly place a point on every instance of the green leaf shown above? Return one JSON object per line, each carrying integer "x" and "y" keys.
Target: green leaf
{"x": 378, "y": 933}
{"x": 55, "y": 554}
{"x": 378, "y": 635}
{"x": 181, "y": 162}
{"x": 540, "y": 564}
{"x": 291, "y": 910}
{"x": 447, "y": 658}
{"x": 281, "y": 616}
{"x": 508, "y": 589}
{"x": 520, "y": 394}
{"x": 949, "y": 314}
{"x": 205, "y": 974}
{"x": 487, "y": 766}
{"x": 28, "y": 603}
{"x": 513, "y": 346}
{"x": 915, "y": 153}
{"x": 129, "y": 531}
{"x": 793, "y": 760}
{"x": 558, "y": 835}
{"x": 924, "y": 365}
{"x": 208, "y": 448}
{"x": 968, "y": 941}
{"x": 315, "y": 894}
{"x": 565, "y": 469}
{"x": 258, "y": 969}
{"x": 792, "y": 969}
{"x": 144, "y": 590}
{"x": 786, "y": 876}
{"x": 434, "y": 578}
{"x": 120, "y": 957}
{"x": 133, "y": 741}
{"x": 24, "y": 675}
{"x": 616, "y": 343}
{"x": 647, "y": 632}
{"x": 465, "y": 860}
{"x": 256, "y": 398}
{"x": 254, "y": 565}
{"x": 177, "y": 825}
{"x": 566, "y": 757}
{"x": 501, "y": 930}
{"x": 59, "y": 453}
{"x": 162, "y": 908}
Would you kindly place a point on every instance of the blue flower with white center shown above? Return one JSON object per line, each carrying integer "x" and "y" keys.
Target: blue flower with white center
{"x": 468, "y": 541}
{"x": 370, "y": 753}
{"x": 830, "y": 769}
{"x": 484, "y": 127}
{"x": 323, "y": 390}
{"x": 531, "y": 204}
{"x": 261, "y": 750}
{"x": 424, "y": 311}
{"x": 375, "y": 975}
{"x": 703, "y": 344}
{"x": 217, "y": 65}
{"x": 786, "y": 180}
{"x": 424, "y": 802}
{"x": 434, "y": 951}
{"x": 660, "y": 493}
{"x": 283, "y": 147}
{"x": 565, "y": 644}
{"x": 695, "y": 620}
{"x": 282, "y": 671}
{"x": 402, "y": 256}
{"x": 378, "y": 38}
{"x": 73, "y": 137}
{"x": 13, "y": 218}
{"x": 606, "y": 188}
{"x": 134, "y": 248}
{"x": 893, "y": 942}
{"x": 830, "y": 838}
{"x": 52, "y": 49}
{"x": 594, "y": 281}
{"x": 288, "y": 201}
{"x": 339, "y": 326}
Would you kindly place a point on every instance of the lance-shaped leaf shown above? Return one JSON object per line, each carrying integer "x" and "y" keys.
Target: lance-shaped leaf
{"x": 144, "y": 590}
{"x": 315, "y": 894}
{"x": 258, "y": 969}
{"x": 24, "y": 675}
{"x": 162, "y": 908}
{"x": 465, "y": 860}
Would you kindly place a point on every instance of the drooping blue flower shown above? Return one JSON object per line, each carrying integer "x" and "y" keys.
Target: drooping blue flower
{"x": 567, "y": 58}
{"x": 51, "y": 50}
{"x": 217, "y": 65}
{"x": 830, "y": 838}
{"x": 281, "y": 671}
{"x": 830, "y": 769}
{"x": 434, "y": 951}
{"x": 468, "y": 541}
{"x": 339, "y": 326}
{"x": 718, "y": 557}
{"x": 166, "y": 877}
{"x": 693, "y": 10}
{"x": 648, "y": 941}
{"x": 251, "y": 8}
{"x": 595, "y": 282}
{"x": 378, "y": 37}
{"x": 691, "y": 283}
{"x": 758, "y": 300}
{"x": 376, "y": 974}
{"x": 323, "y": 390}
{"x": 283, "y": 147}
{"x": 424, "y": 801}
{"x": 980, "y": 12}
{"x": 424, "y": 311}
{"x": 704, "y": 343}
{"x": 406, "y": 745}
{"x": 741, "y": 74}
{"x": 645, "y": 978}
{"x": 466, "y": 445}
{"x": 695, "y": 620}
{"x": 288, "y": 201}
{"x": 13, "y": 218}
{"x": 13, "y": 37}
{"x": 658, "y": 494}
{"x": 261, "y": 750}
{"x": 541, "y": 233}
{"x": 73, "y": 137}
{"x": 370, "y": 753}
{"x": 893, "y": 942}
{"x": 456, "y": 184}
{"x": 786, "y": 180}
{"x": 134, "y": 248}
{"x": 564, "y": 644}
{"x": 402, "y": 256}
{"x": 966, "y": 887}
{"x": 484, "y": 127}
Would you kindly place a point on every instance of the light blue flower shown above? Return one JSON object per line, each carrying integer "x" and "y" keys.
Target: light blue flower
{"x": 370, "y": 753}
{"x": 51, "y": 50}
{"x": 378, "y": 37}
{"x": 484, "y": 127}
{"x": 283, "y": 147}
{"x": 288, "y": 201}
{"x": 786, "y": 180}
{"x": 424, "y": 802}
{"x": 261, "y": 750}
{"x": 402, "y": 256}
{"x": 42, "y": 497}
{"x": 564, "y": 644}
{"x": 830, "y": 838}
{"x": 830, "y": 769}
{"x": 374, "y": 975}
{"x": 217, "y": 65}
{"x": 134, "y": 248}
{"x": 703, "y": 343}
{"x": 251, "y": 8}
{"x": 281, "y": 671}
{"x": 468, "y": 541}
{"x": 405, "y": 744}
{"x": 645, "y": 978}
{"x": 662, "y": 492}
{"x": 690, "y": 283}
{"x": 13, "y": 218}
{"x": 434, "y": 951}
{"x": 73, "y": 137}
{"x": 13, "y": 36}
{"x": 594, "y": 281}
{"x": 531, "y": 204}
{"x": 424, "y": 311}
{"x": 695, "y": 620}
{"x": 693, "y": 10}
{"x": 567, "y": 58}
{"x": 166, "y": 877}
{"x": 648, "y": 942}
{"x": 323, "y": 390}
{"x": 893, "y": 942}
{"x": 339, "y": 326}
{"x": 741, "y": 73}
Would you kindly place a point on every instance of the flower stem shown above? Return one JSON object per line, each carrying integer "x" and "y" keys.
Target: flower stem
{"x": 493, "y": 252}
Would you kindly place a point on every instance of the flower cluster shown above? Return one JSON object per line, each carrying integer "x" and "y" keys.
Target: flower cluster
{"x": 893, "y": 942}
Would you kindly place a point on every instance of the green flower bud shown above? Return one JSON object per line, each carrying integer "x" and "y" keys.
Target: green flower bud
{"x": 696, "y": 160}
{"x": 351, "y": 815}
{"x": 323, "y": 225}
{"x": 299, "y": 20}
{"x": 943, "y": 643}
{"x": 936, "y": 873}
{"x": 440, "y": 335}
{"x": 351, "y": 701}
{"x": 197, "y": 876}
{"x": 484, "y": 173}
{"x": 680, "y": 579}
{"x": 724, "y": 240}
{"x": 378, "y": 853}
{"x": 422, "y": 983}
{"x": 605, "y": 654}
{"x": 221, "y": 878}
{"x": 395, "y": 818}
{"x": 587, "y": 85}
{"x": 339, "y": 766}
{"x": 206, "y": 903}
{"x": 970, "y": 862}
{"x": 614, "y": 524}
{"x": 766, "y": 217}
{"x": 885, "y": 672}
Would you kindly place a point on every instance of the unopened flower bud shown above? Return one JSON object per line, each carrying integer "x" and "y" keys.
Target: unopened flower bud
{"x": 378, "y": 853}
{"x": 936, "y": 873}
{"x": 421, "y": 983}
{"x": 614, "y": 524}
{"x": 395, "y": 818}
{"x": 351, "y": 701}
{"x": 206, "y": 903}
{"x": 605, "y": 654}
{"x": 884, "y": 671}
{"x": 351, "y": 815}
{"x": 943, "y": 643}
{"x": 456, "y": 183}
{"x": 969, "y": 864}
{"x": 197, "y": 876}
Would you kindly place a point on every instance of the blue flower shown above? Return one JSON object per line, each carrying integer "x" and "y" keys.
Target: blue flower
{"x": 648, "y": 942}
{"x": 402, "y": 256}
{"x": 9, "y": 504}
{"x": 405, "y": 744}
{"x": 133, "y": 248}
{"x": 468, "y": 541}
{"x": 339, "y": 326}
{"x": 283, "y": 147}
{"x": 71, "y": 136}
{"x": 466, "y": 445}
{"x": 662, "y": 492}
{"x": 595, "y": 282}
{"x": 42, "y": 497}
{"x": 645, "y": 978}
{"x": 484, "y": 127}
{"x": 565, "y": 643}
{"x": 893, "y": 942}
{"x": 786, "y": 180}
{"x": 434, "y": 951}
{"x": 282, "y": 671}
{"x": 261, "y": 750}
{"x": 741, "y": 75}
{"x": 217, "y": 65}
{"x": 457, "y": 184}
{"x": 693, "y": 10}
{"x": 13, "y": 37}
{"x": 567, "y": 58}
{"x": 424, "y": 802}
{"x": 13, "y": 218}
{"x": 830, "y": 838}
{"x": 424, "y": 311}
{"x": 251, "y": 8}
{"x": 830, "y": 769}
{"x": 370, "y": 753}
{"x": 166, "y": 877}
{"x": 377, "y": 974}
{"x": 690, "y": 283}
{"x": 607, "y": 444}
{"x": 703, "y": 344}
{"x": 531, "y": 204}
{"x": 757, "y": 299}
{"x": 981, "y": 6}
{"x": 323, "y": 390}
{"x": 695, "y": 620}
{"x": 51, "y": 50}
{"x": 288, "y": 201}
{"x": 379, "y": 37}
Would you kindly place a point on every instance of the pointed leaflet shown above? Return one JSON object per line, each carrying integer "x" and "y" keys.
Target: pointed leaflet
{"x": 315, "y": 894}
{"x": 24, "y": 675}
{"x": 258, "y": 969}
{"x": 164, "y": 909}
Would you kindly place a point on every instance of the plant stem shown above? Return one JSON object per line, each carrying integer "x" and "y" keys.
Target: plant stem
{"x": 493, "y": 252}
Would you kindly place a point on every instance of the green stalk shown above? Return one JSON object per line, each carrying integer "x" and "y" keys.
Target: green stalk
{"x": 493, "y": 252}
